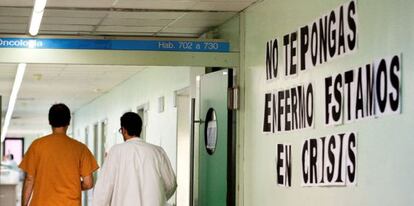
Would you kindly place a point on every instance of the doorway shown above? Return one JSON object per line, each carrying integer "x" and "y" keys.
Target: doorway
{"x": 13, "y": 149}
{"x": 85, "y": 193}
{"x": 216, "y": 146}
{"x": 142, "y": 111}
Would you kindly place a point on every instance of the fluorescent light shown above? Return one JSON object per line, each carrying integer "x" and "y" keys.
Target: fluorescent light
{"x": 37, "y": 16}
{"x": 16, "y": 87}
{"x": 35, "y": 23}
{"x": 39, "y": 5}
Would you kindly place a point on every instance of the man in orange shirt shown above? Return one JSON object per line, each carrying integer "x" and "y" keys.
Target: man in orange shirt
{"x": 57, "y": 167}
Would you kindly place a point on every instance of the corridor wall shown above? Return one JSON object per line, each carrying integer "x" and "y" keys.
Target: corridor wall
{"x": 385, "y": 161}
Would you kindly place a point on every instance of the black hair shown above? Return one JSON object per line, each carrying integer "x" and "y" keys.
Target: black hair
{"x": 132, "y": 123}
{"x": 59, "y": 115}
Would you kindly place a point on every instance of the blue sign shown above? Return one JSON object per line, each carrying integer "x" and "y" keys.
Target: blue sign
{"x": 101, "y": 44}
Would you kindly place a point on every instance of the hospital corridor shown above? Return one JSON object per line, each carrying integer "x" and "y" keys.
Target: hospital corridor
{"x": 206, "y": 102}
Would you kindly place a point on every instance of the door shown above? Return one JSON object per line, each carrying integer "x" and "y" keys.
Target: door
{"x": 216, "y": 175}
{"x": 96, "y": 154}
{"x": 103, "y": 141}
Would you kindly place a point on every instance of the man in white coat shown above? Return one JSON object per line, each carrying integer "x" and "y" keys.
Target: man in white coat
{"x": 135, "y": 173}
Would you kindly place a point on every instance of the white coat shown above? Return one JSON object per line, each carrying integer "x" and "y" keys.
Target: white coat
{"x": 135, "y": 173}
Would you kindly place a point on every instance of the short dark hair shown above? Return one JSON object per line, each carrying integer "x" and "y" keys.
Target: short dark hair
{"x": 132, "y": 123}
{"x": 59, "y": 115}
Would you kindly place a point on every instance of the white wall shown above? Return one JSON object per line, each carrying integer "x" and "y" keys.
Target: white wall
{"x": 145, "y": 87}
{"x": 183, "y": 148}
{"x": 385, "y": 145}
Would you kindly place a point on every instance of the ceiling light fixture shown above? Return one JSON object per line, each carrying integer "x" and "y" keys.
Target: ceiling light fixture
{"x": 37, "y": 15}
{"x": 16, "y": 87}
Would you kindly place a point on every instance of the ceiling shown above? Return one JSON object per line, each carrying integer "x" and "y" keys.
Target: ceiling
{"x": 169, "y": 18}
{"x": 46, "y": 84}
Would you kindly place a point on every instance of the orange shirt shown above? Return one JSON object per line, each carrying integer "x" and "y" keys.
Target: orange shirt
{"x": 57, "y": 162}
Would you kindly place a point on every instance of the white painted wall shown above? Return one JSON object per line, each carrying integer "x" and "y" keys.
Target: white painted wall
{"x": 385, "y": 145}
{"x": 183, "y": 148}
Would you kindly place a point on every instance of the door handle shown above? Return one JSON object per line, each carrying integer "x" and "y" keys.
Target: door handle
{"x": 200, "y": 121}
